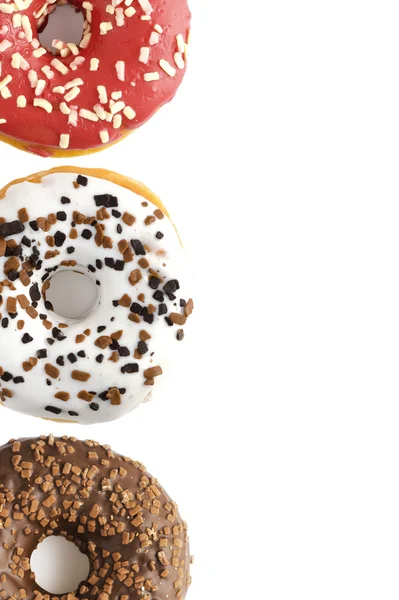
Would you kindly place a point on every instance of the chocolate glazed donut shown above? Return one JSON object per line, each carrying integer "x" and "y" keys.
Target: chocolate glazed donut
{"x": 107, "y": 504}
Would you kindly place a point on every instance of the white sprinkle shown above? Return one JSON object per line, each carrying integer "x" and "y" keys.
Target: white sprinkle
{"x": 100, "y": 112}
{"x": 39, "y": 52}
{"x": 88, "y": 114}
{"x": 179, "y": 60}
{"x": 64, "y": 140}
{"x": 130, "y": 11}
{"x": 85, "y": 41}
{"x": 120, "y": 70}
{"x": 65, "y": 52}
{"x": 26, "y": 26}
{"x": 116, "y": 95}
{"x": 144, "y": 54}
{"x": 102, "y": 94}
{"x": 72, "y": 94}
{"x": 57, "y": 64}
{"x": 110, "y": 9}
{"x": 7, "y": 8}
{"x": 48, "y": 72}
{"x": 35, "y": 44}
{"x": 59, "y": 89}
{"x": 151, "y": 76}
{"x": 109, "y": 118}
{"x": 73, "y": 117}
{"x": 145, "y": 18}
{"x": 42, "y": 103}
{"x": 146, "y": 6}
{"x": 21, "y": 101}
{"x": 117, "y": 107}
{"x": 58, "y": 44}
{"x": 2, "y": 121}
{"x": 32, "y": 76}
{"x": 87, "y": 5}
{"x": 154, "y": 38}
{"x": 16, "y": 60}
{"x": 105, "y": 26}
{"x": 73, "y": 83}
{"x": 158, "y": 28}
{"x": 5, "y": 81}
{"x": 117, "y": 121}
{"x": 4, "y": 45}
{"x": 17, "y": 20}
{"x": 41, "y": 84}
{"x": 180, "y": 43}
{"x": 73, "y": 48}
{"x": 64, "y": 108}
{"x": 5, "y": 93}
{"x": 104, "y": 136}
{"x": 120, "y": 17}
{"x": 79, "y": 60}
{"x": 94, "y": 62}
{"x": 129, "y": 112}
{"x": 167, "y": 67}
{"x": 20, "y": 4}
{"x": 133, "y": 83}
{"x": 24, "y": 64}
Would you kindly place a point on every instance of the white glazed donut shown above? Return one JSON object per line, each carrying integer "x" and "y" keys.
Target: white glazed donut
{"x": 102, "y": 365}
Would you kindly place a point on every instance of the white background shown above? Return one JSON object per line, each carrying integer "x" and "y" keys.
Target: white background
{"x": 278, "y": 434}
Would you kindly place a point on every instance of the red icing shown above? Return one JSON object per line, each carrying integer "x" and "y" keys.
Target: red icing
{"x": 34, "y": 126}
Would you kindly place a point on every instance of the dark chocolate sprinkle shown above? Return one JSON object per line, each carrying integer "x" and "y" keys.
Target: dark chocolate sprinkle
{"x": 11, "y": 228}
{"x": 154, "y": 283}
{"x": 70, "y": 249}
{"x": 53, "y": 409}
{"x": 82, "y": 354}
{"x": 33, "y": 225}
{"x": 94, "y": 406}
{"x": 143, "y": 348}
{"x": 72, "y": 358}
{"x": 6, "y": 376}
{"x": 61, "y": 215}
{"x": 87, "y": 234}
{"x": 138, "y": 247}
{"x": 159, "y": 235}
{"x": 106, "y": 200}
{"x": 60, "y": 361}
{"x": 65, "y": 200}
{"x": 162, "y": 309}
{"x": 100, "y": 358}
{"x": 26, "y": 338}
{"x": 130, "y": 368}
{"x": 19, "y": 379}
{"x": 59, "y": 238}
{"x": 82, "y": 180}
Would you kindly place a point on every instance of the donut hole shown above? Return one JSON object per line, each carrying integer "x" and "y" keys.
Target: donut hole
{"x": 72, "y": 293}
{"x": 59, "y": 566}
{"x": 65, "y": 23}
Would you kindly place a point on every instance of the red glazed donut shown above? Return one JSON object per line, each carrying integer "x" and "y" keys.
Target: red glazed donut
{"x": 129, "y": 62}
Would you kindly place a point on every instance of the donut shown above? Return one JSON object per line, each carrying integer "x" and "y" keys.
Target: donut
{"x": 130, "y": 61}
{"x": 113, "y": 230}
{"x": 106, "y": 504}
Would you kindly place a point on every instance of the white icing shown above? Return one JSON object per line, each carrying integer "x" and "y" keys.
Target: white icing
{"x": 165, "y": 256}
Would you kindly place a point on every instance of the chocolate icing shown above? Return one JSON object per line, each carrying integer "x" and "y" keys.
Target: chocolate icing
{"x": 107, "y": 504}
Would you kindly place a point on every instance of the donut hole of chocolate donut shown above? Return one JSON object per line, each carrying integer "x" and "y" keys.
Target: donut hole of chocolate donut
{"x": 73, "y": 294}
{"x": 65, "y": 23}
{"x": 59, "y": 566}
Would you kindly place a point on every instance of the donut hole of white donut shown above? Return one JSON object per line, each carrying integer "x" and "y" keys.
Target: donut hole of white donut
{"x": 73, "y": 294}
{"x": 64, "y": 24}
{"x": 59, "y": 566}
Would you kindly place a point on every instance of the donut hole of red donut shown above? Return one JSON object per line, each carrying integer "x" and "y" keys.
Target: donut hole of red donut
{"x": 64, "y": 24}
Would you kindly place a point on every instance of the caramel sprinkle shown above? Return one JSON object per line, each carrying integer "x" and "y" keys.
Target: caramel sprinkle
{"x": 80, "y": 375}
{"x": 51, "y": 371}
